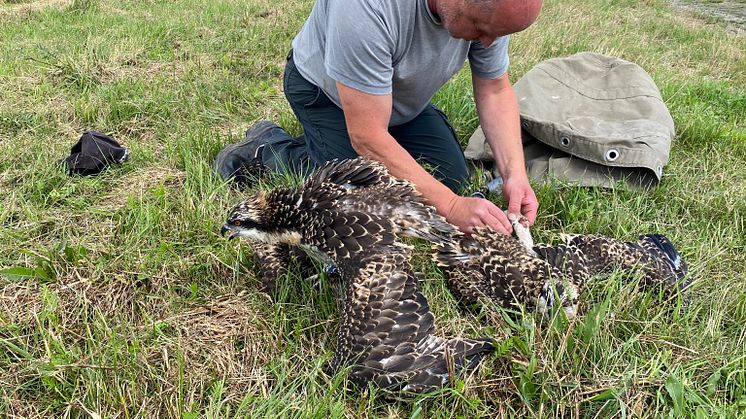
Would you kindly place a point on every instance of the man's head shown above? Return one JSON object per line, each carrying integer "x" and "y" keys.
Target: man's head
{"x": 485, "y": 20}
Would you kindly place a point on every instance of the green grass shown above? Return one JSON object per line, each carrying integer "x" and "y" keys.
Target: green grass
{"x": 119, "y": 297}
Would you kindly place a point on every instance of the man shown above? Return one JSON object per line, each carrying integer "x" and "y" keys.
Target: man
{"x": 360, "y": 78}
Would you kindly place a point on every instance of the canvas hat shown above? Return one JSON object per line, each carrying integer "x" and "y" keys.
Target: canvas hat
{"x": 590, "y": 120}
{"x": 93, "y": 153}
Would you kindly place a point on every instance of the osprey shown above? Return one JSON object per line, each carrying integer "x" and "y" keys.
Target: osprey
{"x": 510, "y": 271}
{"x": 357, "y": 185}
{"x": 350, "y": 213}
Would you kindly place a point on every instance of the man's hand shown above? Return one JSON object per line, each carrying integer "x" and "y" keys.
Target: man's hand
{"x": 499, "y": 116}
{"x": 467, "y": 213}
{"x": 521, "y": 198}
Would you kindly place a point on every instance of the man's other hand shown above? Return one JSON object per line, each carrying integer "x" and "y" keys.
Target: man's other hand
{"x": 521, "y": 198}
{"x": 466, "y": 213}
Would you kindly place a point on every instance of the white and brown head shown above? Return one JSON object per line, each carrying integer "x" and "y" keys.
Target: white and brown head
{"x": 260, "y": 218}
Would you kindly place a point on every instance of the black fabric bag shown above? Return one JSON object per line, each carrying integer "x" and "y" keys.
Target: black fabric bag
{"x": 93, "y": 153}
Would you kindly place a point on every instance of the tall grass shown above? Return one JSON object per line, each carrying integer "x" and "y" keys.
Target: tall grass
{"x": 119, "y": 298}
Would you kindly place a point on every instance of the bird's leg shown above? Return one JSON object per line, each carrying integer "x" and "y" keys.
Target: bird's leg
{"x": 329, "y": 269}
{"x": 522, "y": 233}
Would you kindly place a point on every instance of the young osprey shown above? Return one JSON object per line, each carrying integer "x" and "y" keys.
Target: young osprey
{"x": 351, "y": 212}
{"x": 512, "y": 271}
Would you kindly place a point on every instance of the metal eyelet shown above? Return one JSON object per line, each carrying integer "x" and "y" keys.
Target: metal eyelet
{"x": 565, "y": 141}
{"x": 611, "y": 154}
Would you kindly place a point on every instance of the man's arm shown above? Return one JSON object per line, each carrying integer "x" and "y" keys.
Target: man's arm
{"x": 500, "y": 119}
{"x": 367, "y": 117}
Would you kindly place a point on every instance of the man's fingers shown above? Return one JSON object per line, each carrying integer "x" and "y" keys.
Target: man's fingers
{"x": 514, "y": 207}
{"x": 500, "y": 222}
{"x": 526, "y": 206}
{"x": 521, "y": 198}
{"x": 529, "y": 211}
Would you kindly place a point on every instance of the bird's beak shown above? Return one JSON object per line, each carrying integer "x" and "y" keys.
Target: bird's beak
{"x": 227, "y": 229}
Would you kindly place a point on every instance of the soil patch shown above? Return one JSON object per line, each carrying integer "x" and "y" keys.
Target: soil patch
{"x": 730, "y": 12}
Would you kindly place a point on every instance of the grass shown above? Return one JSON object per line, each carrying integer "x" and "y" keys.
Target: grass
{"x": 119, "y": 297}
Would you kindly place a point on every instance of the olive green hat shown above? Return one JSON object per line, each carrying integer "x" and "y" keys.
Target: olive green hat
{"x": 591, "y": 120}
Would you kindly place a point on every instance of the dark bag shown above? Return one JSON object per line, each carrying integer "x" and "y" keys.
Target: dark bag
{"x": 93, "y": 153}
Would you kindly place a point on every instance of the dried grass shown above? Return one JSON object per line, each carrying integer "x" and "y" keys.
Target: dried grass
{"x": 225, "y": 339}
{"x": 137, "y": 183}
{"x": 23, "y": 304}
{"x": 35, "y": 6}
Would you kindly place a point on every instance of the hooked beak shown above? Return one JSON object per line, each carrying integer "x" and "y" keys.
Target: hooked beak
{"x": 227, "y": 229}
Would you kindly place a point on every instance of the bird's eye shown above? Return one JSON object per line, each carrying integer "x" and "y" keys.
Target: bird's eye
{"x": 237, "y": 223}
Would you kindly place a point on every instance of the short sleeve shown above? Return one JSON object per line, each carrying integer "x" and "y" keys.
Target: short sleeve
{"x": 359, "y": 47}
{"x": 492, "y": 62}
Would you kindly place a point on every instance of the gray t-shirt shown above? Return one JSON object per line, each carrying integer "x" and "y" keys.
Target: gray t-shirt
{"x": 388, "y": 46}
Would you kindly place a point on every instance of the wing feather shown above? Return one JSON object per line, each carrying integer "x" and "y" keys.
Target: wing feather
{"x": 387, "y": 331}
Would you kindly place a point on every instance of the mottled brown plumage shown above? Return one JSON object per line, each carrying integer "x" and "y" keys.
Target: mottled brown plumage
{"x": 489, "y": 265}
{"x": 275, "y": 260}
{"x": 653, "y": 255}
{"x": 386, "y": 331}
{"x": 499, "y": 268}
{"x": 361, "y": 185}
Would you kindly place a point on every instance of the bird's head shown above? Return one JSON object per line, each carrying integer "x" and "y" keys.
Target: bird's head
{"x": 255, "y": 220}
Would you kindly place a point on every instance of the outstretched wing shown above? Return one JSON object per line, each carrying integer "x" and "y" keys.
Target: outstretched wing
{"x": 386, "y": 330}
{"x": 399, "y": 202}
{"x": 363, "y": 185}
{"x": 351, "y": 173}
{"x": 347, "y": 236}
{"x": 336, "y": 178}
{"x": 653, "y": 254}
{"x": 569, "y": 260}
{"x": 671, "y": 269}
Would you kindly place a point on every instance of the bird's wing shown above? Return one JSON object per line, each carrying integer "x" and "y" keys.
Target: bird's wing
{"x": 351, "y": 173}
{"x": 387, "y": 330}
{"x": 363, "y": 185}
{"x": 337, "y": 178}
{"x": 347, "y": 235}
{"x": 671, "y": 268}
{"x": 604, "y": 253}
{"x": 653, "y": 254}
{"x": 399, "y": 202}
{"x": 570, "y": 261}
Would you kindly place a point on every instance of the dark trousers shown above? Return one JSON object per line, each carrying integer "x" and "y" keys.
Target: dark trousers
{"x": 429, "y": 137}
